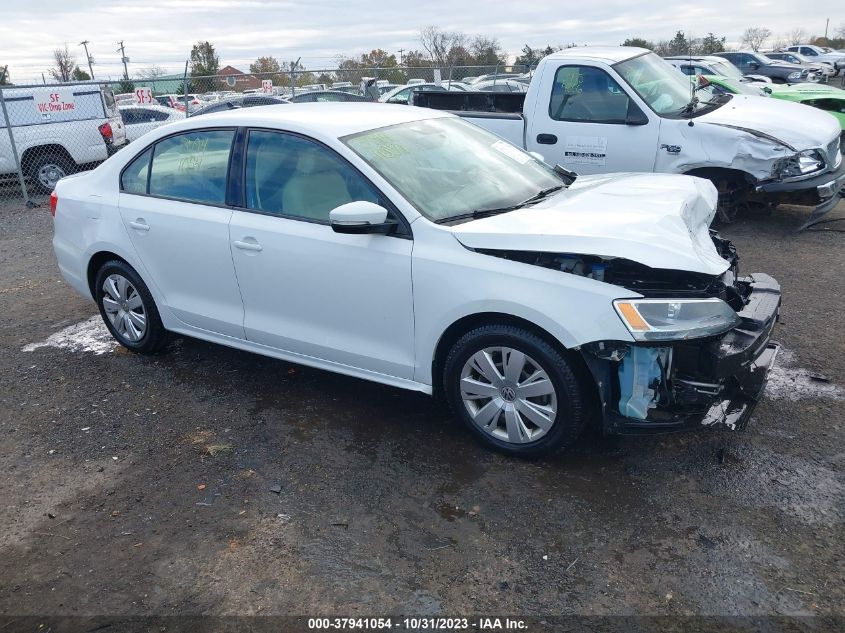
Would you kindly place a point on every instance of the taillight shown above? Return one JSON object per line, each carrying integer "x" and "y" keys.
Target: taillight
{"x": 54, "y": 200}
{"x": 106, "y": 132}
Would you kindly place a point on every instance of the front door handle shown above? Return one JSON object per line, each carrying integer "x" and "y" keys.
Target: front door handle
{"x": 546, "y": 139}
{"x": 250, "y": 245}
{"x": 140, "y": 225}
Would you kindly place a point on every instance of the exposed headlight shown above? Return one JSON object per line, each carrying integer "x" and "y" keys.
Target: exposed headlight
{"x": 794, "y": 75}
{"x": 807, "y": 162}
{"x": 675, "y": 319}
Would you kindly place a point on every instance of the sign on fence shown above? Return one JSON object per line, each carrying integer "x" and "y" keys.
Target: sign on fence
{"x": 53, "y": 100}
{"x": 144, "y": 95}
{"x": 267, "y": 86}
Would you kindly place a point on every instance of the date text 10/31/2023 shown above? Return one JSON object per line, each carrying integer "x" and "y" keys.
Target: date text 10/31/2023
{"x": 419, "y": 624}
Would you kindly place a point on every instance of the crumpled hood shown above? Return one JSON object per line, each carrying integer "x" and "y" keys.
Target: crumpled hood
{"x": 659, "y": 220}
{"x": 800, "y": 127}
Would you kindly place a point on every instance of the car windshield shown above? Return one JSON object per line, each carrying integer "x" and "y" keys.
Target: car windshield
{"x": 727, "y": 69}
{"x": 447, "y": 168}
{"x": 666, "y": 91}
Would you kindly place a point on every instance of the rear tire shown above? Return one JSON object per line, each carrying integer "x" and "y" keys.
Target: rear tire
{"x": 45, "y": 171}
{"x": 128, "y": 309}
{"x": 516, "y": 393}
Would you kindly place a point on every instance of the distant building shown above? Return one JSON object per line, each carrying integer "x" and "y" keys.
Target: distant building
{"x": 234, "y": 79}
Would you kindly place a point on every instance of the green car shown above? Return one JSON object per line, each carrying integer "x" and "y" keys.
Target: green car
{"x": 820, "y": 96}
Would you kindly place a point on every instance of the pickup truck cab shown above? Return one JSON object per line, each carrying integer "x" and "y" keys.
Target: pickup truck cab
{"x": 622, "y": 109}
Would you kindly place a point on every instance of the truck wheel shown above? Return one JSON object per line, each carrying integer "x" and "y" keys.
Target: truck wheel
{"x": 128, "y": 309}
{"x": 516, "y": 393}
{"x": 46, "y": 170}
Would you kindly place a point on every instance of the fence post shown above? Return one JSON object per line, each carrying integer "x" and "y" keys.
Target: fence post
{"x": 15, "y": 156}
{"x": 185, "y": 89}
{"x": 292, "y": 82}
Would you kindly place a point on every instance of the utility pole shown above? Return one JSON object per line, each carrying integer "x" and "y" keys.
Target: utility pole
{"x": 826, "y": 25}
{"x": 124, "y": 59}
{"x": 401, "y": 50}
{"x": 85, "y": 44}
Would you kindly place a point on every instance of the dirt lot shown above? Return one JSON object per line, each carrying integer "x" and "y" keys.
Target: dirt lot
{"x": 212, "y": 481}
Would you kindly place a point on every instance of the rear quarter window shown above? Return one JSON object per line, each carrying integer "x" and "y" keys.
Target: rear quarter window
{"x": 135, "y": 174}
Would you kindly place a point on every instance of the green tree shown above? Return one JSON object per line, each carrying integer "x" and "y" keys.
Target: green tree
{"x": 204, "y": 63}
{"x": 529, "y": 56}
{"x": 639, "y": 42}
{"x": 267, "y": 68}
{"x": 80, "y": 75}
{"x": 709, "y": 45}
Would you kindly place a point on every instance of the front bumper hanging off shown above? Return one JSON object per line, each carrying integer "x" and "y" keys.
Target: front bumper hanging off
{"x": 714, "y": 382}
{"x": 821, "y": 192}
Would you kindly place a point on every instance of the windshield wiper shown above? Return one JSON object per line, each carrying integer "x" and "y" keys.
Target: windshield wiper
{"x": 485, "y": 213}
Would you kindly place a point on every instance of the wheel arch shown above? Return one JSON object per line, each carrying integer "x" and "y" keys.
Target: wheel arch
{"x": 96, "y": 262}
{"x": 471, "y": 321}
{"x": 31, "y": 154}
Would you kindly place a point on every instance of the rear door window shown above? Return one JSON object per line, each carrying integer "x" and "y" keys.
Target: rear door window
{"x": 192, "y": 166}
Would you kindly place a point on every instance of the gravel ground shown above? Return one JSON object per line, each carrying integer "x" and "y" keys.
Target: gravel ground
{"x": 211, "y": 481}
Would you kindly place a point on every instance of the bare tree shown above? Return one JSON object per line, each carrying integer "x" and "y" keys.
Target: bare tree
{"x": 797, "y": 36}
{"x": 153, "y": 72}
{"x": 439, "y": 44}
{"x": 841, "y": 31}
{"x": 755, "y": 36}
{"x": 64, "y": 64}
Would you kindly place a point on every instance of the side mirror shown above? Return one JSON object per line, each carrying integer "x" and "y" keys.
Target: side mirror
{"x": 635, "y": 116}
{"x": 360, "y": 218}
{"x": 753, "y": 65}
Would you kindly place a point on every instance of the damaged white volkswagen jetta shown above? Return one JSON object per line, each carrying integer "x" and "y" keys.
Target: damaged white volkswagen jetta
{"x": 407, "y": 247}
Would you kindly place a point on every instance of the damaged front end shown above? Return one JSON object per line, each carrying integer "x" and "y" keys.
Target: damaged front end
{"x": 710, "y": 380}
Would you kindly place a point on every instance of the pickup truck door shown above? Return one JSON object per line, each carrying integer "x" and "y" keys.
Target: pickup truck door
{"x": 590, "y": 121}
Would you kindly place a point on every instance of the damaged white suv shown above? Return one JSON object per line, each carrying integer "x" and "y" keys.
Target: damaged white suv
{"x": 408, "y": 247}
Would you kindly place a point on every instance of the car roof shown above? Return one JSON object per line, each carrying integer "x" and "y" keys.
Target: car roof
{"x": 321, "y": 118}
{"x": 610, "y": 54}
{"x": 147, "y": 106}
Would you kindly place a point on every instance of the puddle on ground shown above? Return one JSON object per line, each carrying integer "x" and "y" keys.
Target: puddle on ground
{"x": 787, "y": 382}
{"x": 90, "y": 335}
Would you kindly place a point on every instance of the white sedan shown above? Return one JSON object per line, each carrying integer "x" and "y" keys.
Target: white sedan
{"x": 140, "y": 119}
{"x": 408, "y": 247}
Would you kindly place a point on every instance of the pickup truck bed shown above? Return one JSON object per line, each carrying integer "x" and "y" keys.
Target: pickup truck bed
{"x": 501, "y": 111}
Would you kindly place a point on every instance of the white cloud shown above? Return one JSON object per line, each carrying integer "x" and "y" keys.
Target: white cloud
{"x": 161, "y": 32}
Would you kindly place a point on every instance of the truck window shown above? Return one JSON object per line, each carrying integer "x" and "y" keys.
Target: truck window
{"x": 587, "y": 94}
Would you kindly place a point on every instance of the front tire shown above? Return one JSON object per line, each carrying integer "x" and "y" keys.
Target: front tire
{"x": 128, "y": 309}
{"x": 516, "y": 393}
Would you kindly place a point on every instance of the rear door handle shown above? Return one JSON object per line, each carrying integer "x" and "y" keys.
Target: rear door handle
{"x": 546, "y": 139}
{"x": 140, "y": 225}
{"x": 251, "y": 245}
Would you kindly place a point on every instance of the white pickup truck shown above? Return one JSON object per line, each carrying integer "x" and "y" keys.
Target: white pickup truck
{"x": 621, "y": 109}
{"x": 58, "y": 130}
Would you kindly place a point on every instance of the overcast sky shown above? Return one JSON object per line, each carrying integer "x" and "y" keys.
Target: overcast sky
{"x": 161, "y": 32}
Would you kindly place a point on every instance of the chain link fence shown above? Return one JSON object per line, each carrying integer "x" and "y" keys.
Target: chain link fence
{"x": 49, "y": 131}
